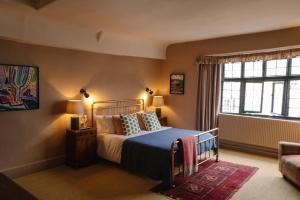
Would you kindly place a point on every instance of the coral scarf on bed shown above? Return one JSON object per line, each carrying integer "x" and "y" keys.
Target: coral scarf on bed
{"x": 187, "y": 147}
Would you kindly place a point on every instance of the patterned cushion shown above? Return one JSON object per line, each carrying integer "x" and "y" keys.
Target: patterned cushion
{"x": 151, "y": 121}
{"x": 130, "y": 124}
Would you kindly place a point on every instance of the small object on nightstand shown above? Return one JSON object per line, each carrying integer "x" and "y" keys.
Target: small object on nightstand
{"x": 81, "y": 147}
{"x": 163, "y": 121}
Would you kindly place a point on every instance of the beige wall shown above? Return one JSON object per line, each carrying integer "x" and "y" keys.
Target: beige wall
{"x": 247, "y": 130}
{"x": 30, "y": 136}
{"x": 181, "y": 58}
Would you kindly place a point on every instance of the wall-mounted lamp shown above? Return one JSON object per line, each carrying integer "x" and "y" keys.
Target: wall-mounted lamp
{"x": 89, "y": 98}
{"x": 149, "y": 91}
{"x": 85, "y": 94}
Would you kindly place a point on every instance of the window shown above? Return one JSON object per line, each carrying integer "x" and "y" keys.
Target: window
{"x": 232, "y": 70}
{"x": 276, "y": 67}
{"x": 294, "y": 99}
{"x": 254, "y": 69}
{"x": 262, "y": 88}
{"x": 272, "y": 97}
{"x": 253, "y": 97}
{"x": 231, "y": 97}
{"x": 295, "y": 66}
{"x": 277, "y": 98}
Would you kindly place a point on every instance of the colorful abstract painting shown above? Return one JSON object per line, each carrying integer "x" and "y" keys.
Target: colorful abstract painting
{"x": 19, "y": 87}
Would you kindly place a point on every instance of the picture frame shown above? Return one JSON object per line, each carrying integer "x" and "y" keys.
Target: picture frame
{"x": 19, "y": 87}
{"x": 177, "y": 83}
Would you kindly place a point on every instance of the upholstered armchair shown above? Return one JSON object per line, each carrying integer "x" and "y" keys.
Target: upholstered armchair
{"x": 289, "y": 161}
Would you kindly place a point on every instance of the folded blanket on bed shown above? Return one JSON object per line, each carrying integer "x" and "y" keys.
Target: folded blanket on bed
{"x": 187, "y": 147}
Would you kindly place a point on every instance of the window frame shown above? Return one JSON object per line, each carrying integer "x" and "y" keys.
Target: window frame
{"x": 242, "y": 79}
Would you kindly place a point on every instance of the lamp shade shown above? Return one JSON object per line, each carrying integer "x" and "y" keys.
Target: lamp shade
{"x": 158, "y": 101}
{"x": 75, "y": 107}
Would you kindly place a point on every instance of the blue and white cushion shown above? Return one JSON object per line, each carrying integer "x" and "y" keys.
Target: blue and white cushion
{"x": 151, "y": 121}
{"x": 130, "y": 124}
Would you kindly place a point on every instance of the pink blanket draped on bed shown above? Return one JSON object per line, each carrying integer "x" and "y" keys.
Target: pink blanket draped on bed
{"x": 187, "y": 147}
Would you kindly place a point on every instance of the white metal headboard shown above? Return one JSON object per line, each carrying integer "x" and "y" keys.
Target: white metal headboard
{"x": 117, "y": 107}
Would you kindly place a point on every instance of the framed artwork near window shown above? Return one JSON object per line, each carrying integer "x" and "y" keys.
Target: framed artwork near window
{"x": 19, "y": 87}
{"x": 177, "y": 84}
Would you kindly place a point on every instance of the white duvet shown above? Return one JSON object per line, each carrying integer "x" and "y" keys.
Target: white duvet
{"x": 110, "y": 145}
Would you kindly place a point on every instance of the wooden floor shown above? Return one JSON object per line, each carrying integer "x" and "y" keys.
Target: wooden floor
{"x": 108, "y": 181}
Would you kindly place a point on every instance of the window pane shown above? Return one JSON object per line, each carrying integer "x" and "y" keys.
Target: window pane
{"x": 254, "y": 69}
{"x": 232, "y": 70}
{"x": 267, "y": 98}
{"x": 231, "y": 97}
{"x": 294, "y": 101}
{"x": 253, "y": 97}
{"x": 276, "y": 67}
{"x": 272, "y": 97}
{"x": 277, "y": 97}
{"x": 296, "y": 65}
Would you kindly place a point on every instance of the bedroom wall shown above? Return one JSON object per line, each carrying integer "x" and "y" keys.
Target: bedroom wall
{"x": 181, "y": 58}
{"x": 33, "y": 138}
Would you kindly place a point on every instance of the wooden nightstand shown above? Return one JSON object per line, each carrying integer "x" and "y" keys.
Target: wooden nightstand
{"x": 163, "y": 121}
{"x": 81, "y": 147}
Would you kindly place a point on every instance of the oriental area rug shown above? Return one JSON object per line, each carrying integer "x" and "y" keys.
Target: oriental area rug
{"x": 213, "y": 181}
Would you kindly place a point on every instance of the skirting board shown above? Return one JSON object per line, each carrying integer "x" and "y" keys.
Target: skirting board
{"x": 265, "y": 151}
{"x": 30, "y": 168}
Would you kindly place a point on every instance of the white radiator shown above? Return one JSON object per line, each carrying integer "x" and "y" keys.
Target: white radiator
{"x": 258, "y": 131}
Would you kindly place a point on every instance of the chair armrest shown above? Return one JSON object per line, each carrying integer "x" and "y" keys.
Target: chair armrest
{"x": 288, "y": 148}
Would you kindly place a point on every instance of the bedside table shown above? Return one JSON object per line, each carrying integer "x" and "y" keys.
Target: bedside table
{"x": 81, "y": 147}
{"x": 163, "y": 121}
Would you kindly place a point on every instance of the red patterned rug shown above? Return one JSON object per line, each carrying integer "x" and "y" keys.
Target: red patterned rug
{"x": 213, "y": 181}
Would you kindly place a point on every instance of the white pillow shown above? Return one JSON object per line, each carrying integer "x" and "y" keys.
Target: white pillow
{"x": 104, "y": 124}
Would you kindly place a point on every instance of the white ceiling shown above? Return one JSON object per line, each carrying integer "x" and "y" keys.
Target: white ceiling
{"x": 178, "y": 20}
{"x": 162, "y": 22}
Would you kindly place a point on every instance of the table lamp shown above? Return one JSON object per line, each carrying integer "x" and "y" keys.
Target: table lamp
{"x": 158, "y": 102}
{"x": 75, "y": 108}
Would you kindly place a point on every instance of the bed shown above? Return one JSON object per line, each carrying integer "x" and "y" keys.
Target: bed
{"x": 151, "y": 153}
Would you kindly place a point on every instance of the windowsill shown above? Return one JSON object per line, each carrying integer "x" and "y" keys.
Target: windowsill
{"x": 260, "y": 116}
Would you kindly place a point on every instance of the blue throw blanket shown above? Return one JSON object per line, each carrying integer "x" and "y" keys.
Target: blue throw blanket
{"x": 149, "y": 154}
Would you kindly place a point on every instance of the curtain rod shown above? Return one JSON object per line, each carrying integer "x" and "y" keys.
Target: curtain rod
{"x": 257, "y": 51}
{"x": 250, "y": 56}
